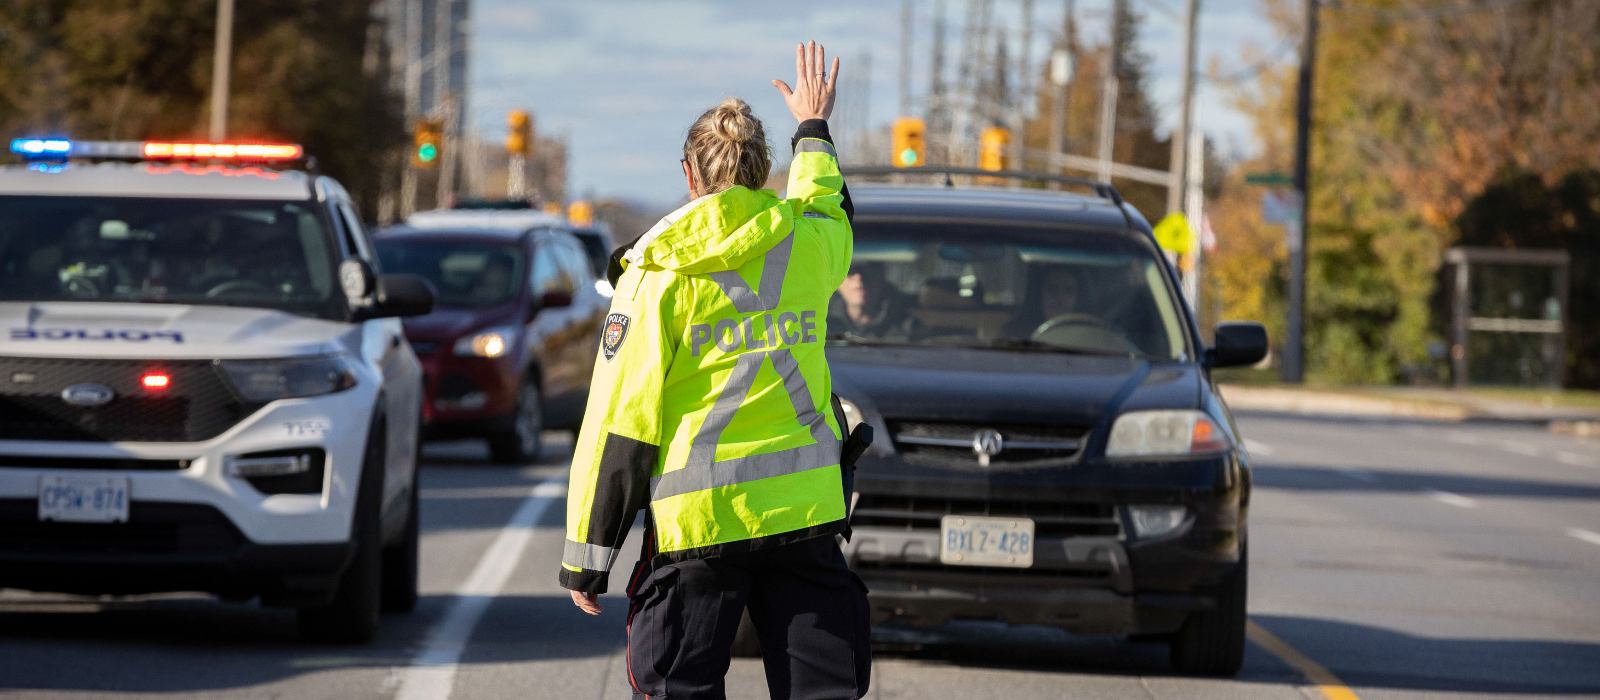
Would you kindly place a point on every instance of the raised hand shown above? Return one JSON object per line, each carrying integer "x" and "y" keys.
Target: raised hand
{"x": 812, "y": 96}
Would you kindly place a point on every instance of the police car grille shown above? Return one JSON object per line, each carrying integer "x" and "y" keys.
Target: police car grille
{"x": 198, "y": 403}
{"x": 1050, "y": 518}
{"x": 949, "y": 445}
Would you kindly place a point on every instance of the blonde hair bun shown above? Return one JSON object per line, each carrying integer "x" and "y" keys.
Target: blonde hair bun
{"x": 732, "y": 121}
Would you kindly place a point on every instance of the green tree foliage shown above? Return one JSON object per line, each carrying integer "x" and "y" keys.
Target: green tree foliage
{"x": 305, "y": 71}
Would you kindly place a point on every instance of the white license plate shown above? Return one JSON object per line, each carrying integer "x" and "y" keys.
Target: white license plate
{"x": 83, "y": 499}
{"x": 981, "y": 541}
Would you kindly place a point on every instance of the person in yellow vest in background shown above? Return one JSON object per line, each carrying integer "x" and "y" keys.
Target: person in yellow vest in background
{"x": 711, "y": 408}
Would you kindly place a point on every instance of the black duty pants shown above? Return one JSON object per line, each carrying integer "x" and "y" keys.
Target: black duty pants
{"x": 810, "y": 612}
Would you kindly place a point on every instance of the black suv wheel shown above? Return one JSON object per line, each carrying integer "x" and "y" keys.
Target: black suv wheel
{"x": 1211, "y": 643}
{"x": 519, "y": 442}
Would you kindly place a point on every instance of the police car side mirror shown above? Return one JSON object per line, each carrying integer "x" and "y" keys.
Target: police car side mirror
{"x": 401, "y": 294}
{"x": 553, "y": 300}
{"x": 1238, "y": 343}
{"x": 356, "y": 279}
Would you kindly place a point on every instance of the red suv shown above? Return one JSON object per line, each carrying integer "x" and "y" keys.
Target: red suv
{"x": 511, "y": 343}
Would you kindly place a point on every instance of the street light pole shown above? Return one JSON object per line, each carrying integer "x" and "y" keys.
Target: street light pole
{"x": 1180, "y": 150}
{"x": 1293, "y": 370}
{"x": 220, "y": 68}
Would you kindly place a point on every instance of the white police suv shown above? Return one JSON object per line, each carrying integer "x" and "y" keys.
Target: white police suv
{"x": 203, "y": 383}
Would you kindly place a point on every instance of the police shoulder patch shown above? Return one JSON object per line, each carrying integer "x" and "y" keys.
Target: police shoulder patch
{"x": 616, "y": 332}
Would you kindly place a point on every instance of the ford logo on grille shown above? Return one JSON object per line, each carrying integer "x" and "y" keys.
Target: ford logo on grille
{"x": 987, "y": 443}
{"x": 88, "y": 394}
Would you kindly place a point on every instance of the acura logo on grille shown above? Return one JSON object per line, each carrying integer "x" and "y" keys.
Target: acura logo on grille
{"x": 987, "y": 443}
{"x": 87, "y": 394}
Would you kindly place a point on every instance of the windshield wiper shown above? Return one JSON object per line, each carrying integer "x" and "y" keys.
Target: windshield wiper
{"x": 854, "y": 339}
{"x": 1039, "y": 346}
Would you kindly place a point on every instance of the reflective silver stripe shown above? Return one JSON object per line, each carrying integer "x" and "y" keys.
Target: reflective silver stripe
{"x": 588, "y": 556}
{"x": 702, "y": 470}
{"x": 809, "y": 145}
{"x": 773, "y": 271}
{"x": 739, "y": 470}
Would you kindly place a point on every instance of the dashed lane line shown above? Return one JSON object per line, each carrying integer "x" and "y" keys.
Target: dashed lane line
{"x": 1257, "y": 447}
{"x": 1585, "y": 535}
{"x": 1330, "y": 686}
{"x": 1453, "y": 499}
{"x": 432, "y": 672}
{"x": 1578, "y": 460}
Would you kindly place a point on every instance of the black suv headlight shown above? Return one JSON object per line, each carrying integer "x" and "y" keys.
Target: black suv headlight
{"x": 260, "y": 381}
{"x": 1165, "y": 434}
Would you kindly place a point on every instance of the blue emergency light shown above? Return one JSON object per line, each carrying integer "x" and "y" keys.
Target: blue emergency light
{"x": 41, "y": 147}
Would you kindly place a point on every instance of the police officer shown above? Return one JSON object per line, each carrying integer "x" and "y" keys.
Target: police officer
{"x": 710, "y": 405}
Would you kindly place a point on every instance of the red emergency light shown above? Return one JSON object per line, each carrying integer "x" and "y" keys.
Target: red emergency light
{"x": 155, "y": 381}
{"x": 230, "y": 151}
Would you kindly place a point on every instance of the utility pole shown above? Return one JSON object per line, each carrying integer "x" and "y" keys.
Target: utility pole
{"x": 1180, "y": 133}
{"x": 1062, "y": 63}
{"x": 1109, "y": 91}
{"x": 936, "y": 102}
{"x": 906, "y": 18}
{"x": 444, "y": 100}
{"x": 1194, "y": 206}
{"x": 413, "y": 99}
{"x": 221, "y": 67}
{"x": 1293, "y": 370}
{"x": 1019, "y": 119}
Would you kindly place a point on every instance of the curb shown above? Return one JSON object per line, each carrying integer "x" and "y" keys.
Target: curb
{"x": 1324, "y": 404}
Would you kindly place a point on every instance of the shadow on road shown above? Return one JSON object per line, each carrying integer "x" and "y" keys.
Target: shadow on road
{"x": 1386, "y": 480}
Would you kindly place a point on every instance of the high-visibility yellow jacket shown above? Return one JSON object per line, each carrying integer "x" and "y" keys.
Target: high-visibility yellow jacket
{"x": 710, "y": 402}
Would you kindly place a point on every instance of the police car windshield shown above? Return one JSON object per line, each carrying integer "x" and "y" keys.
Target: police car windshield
{"x": 256, "y": 253}
{"x": 1013, "y": 288}
{"x": 465, "y": 274}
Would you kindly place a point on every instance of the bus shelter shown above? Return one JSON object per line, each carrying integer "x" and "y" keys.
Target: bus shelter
{"x": 1508, "y": 317}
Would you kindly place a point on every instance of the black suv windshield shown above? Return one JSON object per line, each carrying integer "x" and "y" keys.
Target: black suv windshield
{"x": 466, "y": 274}
{"x": 258, "y": 253}
{"x": 995, "y": 286}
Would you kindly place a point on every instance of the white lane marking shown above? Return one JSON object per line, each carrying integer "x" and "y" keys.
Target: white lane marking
{"x": 1462, "y": 438}
{"x": 1521, "y": 448}
{"x": 1257, "y": 447}
{"x": 1453, "y": 499}
{"x": 432, "y": 672}
{"x": 1578, "y": 460}
{"x": 1358, "y": 474}
{"x": 1585, "y": 535}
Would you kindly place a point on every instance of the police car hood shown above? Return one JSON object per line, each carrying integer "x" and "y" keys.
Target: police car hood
{"x": 716, "y": 232}
{"x": 165, "y": 331}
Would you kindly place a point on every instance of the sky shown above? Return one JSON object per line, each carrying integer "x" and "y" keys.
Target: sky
{"x": 623, "y": 79}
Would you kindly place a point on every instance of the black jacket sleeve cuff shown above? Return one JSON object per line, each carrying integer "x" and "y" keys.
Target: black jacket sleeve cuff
{"x": 584, "y": 581}
{"x": 811, "y": 129}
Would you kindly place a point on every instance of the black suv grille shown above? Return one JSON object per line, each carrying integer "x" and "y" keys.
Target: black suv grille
{"x": 950, "y": 445}
{"x": 1050, "y": 518}
{"x": 198, "y": 404}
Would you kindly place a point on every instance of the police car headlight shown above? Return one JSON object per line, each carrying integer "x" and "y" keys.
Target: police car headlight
{"x": 493, "y": 342}
{"x": 1165, "y": 433}
{"x": 260, "y": 381}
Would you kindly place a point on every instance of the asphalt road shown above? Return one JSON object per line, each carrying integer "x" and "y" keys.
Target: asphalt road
{"x": 1389, "y": 560}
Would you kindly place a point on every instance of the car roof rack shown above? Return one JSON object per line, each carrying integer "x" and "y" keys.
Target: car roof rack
{"x": 1104, "y": 190}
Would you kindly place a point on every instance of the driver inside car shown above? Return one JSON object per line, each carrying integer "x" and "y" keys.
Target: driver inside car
{"x": 867, "y": 305}
{"x": 1055, "y": 296}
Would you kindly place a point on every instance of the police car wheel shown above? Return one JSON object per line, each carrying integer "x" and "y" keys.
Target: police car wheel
{"x": 352, "y": 616}
{"x": 518, "y": 442}
{"x": 400, "y": 561}
{"x": 1211, "y": 643}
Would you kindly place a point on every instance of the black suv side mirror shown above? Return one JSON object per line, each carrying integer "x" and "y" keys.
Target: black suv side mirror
{"x": 552, "y": 300}
{"x": 1238, "y": 343}
{"x": 401, "y": 294}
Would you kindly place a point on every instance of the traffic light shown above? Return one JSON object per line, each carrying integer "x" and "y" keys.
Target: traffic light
{"x": 994, "y": 141}
{"x": 910, "y": 146}
{"x": 428, "y": 142}
{"x": 519, "y": 138}
{"x": 580, "y": 213}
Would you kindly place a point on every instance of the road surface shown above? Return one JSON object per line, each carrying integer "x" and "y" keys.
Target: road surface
{"x": 1389, "y": 560}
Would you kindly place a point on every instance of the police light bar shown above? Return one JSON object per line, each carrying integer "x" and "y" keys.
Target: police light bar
{"x": 61, "y": 149}
{"x": 228, "y": 151}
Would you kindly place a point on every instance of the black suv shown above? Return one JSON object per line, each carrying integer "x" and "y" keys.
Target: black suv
{"x": 1051, "y": 448}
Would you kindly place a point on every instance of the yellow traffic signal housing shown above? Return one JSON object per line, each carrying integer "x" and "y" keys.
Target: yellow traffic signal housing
{"x": 994, "y": 141}
{"x": 910, "y": 144}
{"x": 519, "y": 137}
{"x": 580, "y": 213}
{"x": 428, "y": 143}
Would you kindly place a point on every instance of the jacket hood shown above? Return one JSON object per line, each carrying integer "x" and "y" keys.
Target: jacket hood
{"x": 716, "y": 232}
